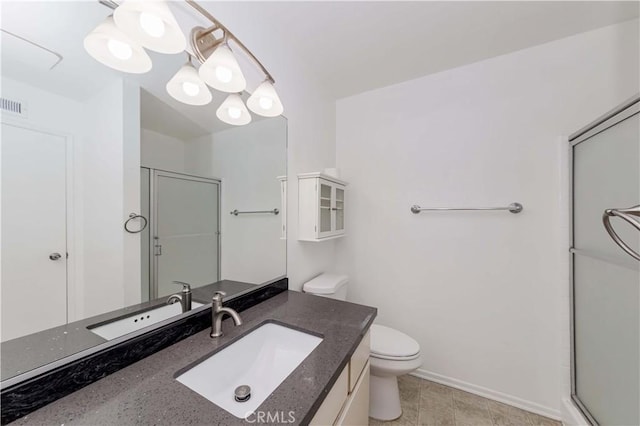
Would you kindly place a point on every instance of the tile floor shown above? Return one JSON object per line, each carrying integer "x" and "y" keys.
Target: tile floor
{"x": 432, "y": 404}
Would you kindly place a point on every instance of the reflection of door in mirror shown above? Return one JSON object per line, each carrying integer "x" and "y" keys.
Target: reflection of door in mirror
{"x": 34, "y": 238}
{"x": 145, "y": 244}
{"x": 186, "y": 231}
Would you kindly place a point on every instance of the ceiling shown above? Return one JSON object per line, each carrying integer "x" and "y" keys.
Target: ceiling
{"x": 347, "y": 47}
{"x": 352, "y": 47}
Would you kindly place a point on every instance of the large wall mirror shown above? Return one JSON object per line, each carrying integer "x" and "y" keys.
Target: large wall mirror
{"x": 112, "y": 191}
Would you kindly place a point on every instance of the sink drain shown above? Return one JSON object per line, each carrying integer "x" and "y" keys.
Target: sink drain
{"x": 242, "y": 393}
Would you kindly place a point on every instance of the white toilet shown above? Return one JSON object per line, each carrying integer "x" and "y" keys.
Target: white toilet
{"x": 393, "y": 353}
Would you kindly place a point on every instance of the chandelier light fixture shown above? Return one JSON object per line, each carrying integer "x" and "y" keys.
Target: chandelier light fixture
{"x": 233, "y": 111}
{"x": 113, "y": 48}
{"x": 187, "y": 87}
{"x": 120, "y": 40}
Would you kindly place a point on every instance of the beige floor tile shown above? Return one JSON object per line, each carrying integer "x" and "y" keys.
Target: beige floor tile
{"x": 506, "y": 415}
{"x": 471, "y": 412}
{"x": 409, "y": 399}
{"x": 470, "y": 399}
{"x": 427, "y": 403}
{"x": 537, "y": 420}
{"x": 436, "y": 408}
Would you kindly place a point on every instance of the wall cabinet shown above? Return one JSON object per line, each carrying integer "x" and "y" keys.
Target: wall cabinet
{"x": 347, "y": 403}
{"x": 321, "y": 207}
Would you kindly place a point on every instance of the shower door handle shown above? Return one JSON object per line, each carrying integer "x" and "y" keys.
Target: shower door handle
{"x": 630, "y": 215}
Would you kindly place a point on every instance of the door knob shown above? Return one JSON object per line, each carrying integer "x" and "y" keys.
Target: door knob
{"x": 55, "y": 256}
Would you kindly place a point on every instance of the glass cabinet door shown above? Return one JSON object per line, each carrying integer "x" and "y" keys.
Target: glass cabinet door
{"x": 325, "y": 208}
{"x": 339, "y": 209}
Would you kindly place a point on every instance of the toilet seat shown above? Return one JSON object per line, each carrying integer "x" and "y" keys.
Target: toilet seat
{"x": 390, "y": 344}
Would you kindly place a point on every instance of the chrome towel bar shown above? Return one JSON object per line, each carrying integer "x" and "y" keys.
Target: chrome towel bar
{"x": 513, "y": 208}
{"x": 236, "y": 212}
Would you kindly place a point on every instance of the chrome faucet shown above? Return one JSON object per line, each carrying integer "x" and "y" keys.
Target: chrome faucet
{"x": 184, "y": 297}
{"x": 217, "y": 312}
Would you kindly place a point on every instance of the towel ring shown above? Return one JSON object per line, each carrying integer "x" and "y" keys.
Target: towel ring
{"x": 135, "y": 216}
{"x": 626, "y": 215}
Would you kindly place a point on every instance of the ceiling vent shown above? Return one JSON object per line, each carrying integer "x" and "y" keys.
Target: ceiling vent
{"x": 14, "y": 108}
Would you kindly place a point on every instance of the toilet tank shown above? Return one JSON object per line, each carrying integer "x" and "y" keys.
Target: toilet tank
{"x": 333, "y": 286}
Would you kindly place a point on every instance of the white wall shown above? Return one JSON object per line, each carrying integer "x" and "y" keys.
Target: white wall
{"x": 248, "y": 160}
{"x": 311, "y": 128}
{"x": 160, "y": 151}
{"x": 131, "y": 190}
{"x": 483, "y": 293}
{"x": 111, "y": 191}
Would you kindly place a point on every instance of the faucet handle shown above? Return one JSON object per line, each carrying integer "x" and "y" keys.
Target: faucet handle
{"x": 186, "y": 287}
{"x": 218, "y": 295}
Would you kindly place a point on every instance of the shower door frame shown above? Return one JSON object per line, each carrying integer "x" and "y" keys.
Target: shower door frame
{"x": 153, "y": 220}
{"x": 626, "y": 110}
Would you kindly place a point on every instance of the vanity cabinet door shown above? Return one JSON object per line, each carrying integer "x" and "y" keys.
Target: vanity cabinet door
{"x": 358, "y": 361}
{"x": 332, "y": 404}
{"x": 356, "y": 409}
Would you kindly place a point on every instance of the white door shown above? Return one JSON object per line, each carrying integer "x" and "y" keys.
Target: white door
{"x": 34, "y": 250}
{"x": 186, "y": 231}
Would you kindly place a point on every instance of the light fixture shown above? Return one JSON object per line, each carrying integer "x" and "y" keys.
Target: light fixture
{"x": 265, "y": 101}
{"x": 222, "y": 72}
{"x": 187, "y": 87}
{"x": 118, "y": 43}
{"x": 233, "y": 111}
{"x": 151, "y": 24}
{"x": 111, "y": 47}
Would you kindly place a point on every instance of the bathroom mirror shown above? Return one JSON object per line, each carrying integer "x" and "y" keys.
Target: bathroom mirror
{"x": 112, "y": 190}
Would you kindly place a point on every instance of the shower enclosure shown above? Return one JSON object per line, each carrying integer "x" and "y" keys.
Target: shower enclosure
{"x": 182, "y": 241}
{"x": 605, "y": 262}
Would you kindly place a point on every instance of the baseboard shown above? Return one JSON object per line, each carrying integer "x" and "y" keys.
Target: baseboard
{"x": 490, "y": 394}
{"x": 571, "y": 416}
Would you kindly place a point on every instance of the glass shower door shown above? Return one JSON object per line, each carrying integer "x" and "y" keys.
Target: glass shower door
{"x": 606, "y": 279}
{"x": 187, "y": 233}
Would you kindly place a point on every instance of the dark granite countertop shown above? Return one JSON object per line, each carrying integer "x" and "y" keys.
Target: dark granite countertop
{"x": 34, "y": 350}
{"x": 146, "y": 392}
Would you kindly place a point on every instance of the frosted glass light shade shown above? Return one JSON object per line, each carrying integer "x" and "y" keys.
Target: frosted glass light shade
{"x": 151, "y": 24}
{"x": 265, "y": 101}
{"x": 222, "y": 72}
{"x": 233, "y": 111}
{"x": 187, "y": 87}
{"x": 113, "y": 48}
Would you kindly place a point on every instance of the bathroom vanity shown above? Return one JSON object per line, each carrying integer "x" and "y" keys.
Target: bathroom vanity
{"x": 329, "y": 386}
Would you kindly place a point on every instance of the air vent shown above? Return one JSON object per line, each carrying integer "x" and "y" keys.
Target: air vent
{"x": 16, "y": 108}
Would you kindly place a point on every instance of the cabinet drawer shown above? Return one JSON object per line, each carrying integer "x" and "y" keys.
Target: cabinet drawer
{"x": 358, "y": 360}
{"x": 332, "y": 404}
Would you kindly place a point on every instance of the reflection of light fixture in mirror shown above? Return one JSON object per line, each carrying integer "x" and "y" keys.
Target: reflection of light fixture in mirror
{"x": 187, "y": 87}
{"x": 151, "y": 24}
{"x": 111, "y": 47}
{"x": 222, "y": 72}
{"x": 118, "y": 43}
{"x": 233, "y": 111}
{"x": 265, "y": 101}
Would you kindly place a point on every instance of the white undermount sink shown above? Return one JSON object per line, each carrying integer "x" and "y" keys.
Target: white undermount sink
{"x": 261, "y": 359}
{"x": 138, "y": 321}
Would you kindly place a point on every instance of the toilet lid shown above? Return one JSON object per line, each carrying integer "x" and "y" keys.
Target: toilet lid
{"x": 389, "y": 343}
